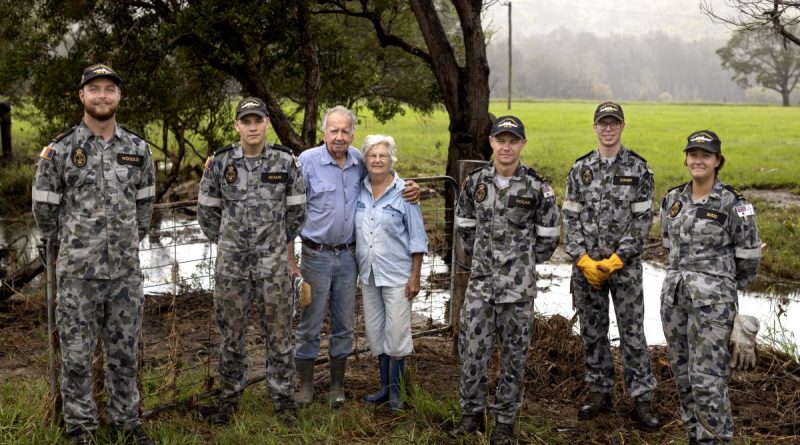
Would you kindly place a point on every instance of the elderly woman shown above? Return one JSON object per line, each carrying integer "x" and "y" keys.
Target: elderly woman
{"x": 714, "y": 249}
{"x": 390, "y": 242}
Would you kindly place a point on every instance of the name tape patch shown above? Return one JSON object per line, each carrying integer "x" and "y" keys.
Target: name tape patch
{"x": 130, "y": 159}
{"x": 626, "y": 180}
{"x": 712, "y": 215}
{"x": 274, "y": 177}
{"x": 523, "y": 202}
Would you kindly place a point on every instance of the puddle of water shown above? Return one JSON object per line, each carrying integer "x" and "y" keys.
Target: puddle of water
{"x": 556, "y": 299}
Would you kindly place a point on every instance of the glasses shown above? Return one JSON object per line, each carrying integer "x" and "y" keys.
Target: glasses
{"x": 381, "y": 156}
{"x": 602, "y": 125}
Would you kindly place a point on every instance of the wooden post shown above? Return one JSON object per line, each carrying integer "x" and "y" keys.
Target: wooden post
{"x": 5, "y": 129}
{"x": 461, "y": 261}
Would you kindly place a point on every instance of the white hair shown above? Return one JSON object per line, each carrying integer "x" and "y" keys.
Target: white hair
{"x": 339, "y": 109}
{"x": 374, "y": 140}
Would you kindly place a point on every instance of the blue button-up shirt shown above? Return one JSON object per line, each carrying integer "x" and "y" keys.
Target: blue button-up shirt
{"x": 331, "y": 192}
{"x": 388, "y": 232}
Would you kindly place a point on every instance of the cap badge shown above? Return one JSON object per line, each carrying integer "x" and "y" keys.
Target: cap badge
{"x": 508, "y": 123}
{"x": 701, "y": 137}
{"x": 607, "y": 108}
{"x": 249, "y": 104}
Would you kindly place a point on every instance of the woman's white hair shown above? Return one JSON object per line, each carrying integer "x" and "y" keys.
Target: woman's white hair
{"x": 374, "y": 140}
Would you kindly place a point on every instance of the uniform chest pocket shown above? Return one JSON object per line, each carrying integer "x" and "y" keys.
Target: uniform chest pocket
{"x": 624, "y": 193}
{"x": 232, "y": 192}
{"x": 709, "y": 227}
{"x": 590, "y": 194}
{"x": 126, "y": 175}
{"x": 520, "y": 216}
{"x": 272, "y": 192}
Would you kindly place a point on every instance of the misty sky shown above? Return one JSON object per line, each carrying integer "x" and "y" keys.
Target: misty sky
{"x": 680, "y": 18}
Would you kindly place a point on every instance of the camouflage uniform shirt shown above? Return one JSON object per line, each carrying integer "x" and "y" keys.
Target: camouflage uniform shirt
{"x": 95, "y": 199}
{"x": 608, "y": 207}
{"x": 713, "y": 244}
{"x": 507, "y": 231}
{"x": 252, "y": 214}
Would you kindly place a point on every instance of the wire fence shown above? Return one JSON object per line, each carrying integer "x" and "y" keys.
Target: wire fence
{"x": 180, "y": 341}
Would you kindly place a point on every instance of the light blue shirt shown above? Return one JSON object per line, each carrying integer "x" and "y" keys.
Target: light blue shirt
{"x": 388, "y": 232}
{"x": 331, "y": 195}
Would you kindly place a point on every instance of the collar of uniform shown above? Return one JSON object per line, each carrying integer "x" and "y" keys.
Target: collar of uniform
{"x": 237, "y": 152}
{"x": 491, "y": 172}
{"x": 622, "y": 155}
{"x": 716, "y": 190}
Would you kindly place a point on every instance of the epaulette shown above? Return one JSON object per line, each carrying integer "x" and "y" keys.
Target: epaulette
{"x": 584, "y": 156}
{"x": 224, "y": 149}
{"x": 735, "y": 192}
{"x": 479, "y": 168}
{"x": 531, "y": 171}
{"x": 636, "y": 155}
{"x": 282, "y": 148}
{"x": 63, "y": 135}
{"x": 677, "y": 187}
{"x": 133, "y": 132}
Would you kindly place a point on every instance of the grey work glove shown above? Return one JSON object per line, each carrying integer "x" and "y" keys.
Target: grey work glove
{"x": 743, "y": 342}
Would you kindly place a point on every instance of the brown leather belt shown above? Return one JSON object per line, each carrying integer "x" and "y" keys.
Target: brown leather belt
{"x": 331, "y": 247}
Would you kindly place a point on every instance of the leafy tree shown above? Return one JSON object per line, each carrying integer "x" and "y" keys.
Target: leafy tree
{"x": 761, "y": 57}
{"x": 781, "y": 17}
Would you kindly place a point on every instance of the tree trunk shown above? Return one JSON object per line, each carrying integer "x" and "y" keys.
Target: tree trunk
{"x": 785, "y": 95}
{"x": 5, "y": 130}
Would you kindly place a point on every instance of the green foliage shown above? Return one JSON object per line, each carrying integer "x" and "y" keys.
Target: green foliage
{"x": 762, "y": 57}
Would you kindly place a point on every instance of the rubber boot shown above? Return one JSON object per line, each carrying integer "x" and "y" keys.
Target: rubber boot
{"x": 336, "y": 395}
{"x": 382, "y": 396}
{"x": 396, "y": 368}
{"x": 305, "y": 369}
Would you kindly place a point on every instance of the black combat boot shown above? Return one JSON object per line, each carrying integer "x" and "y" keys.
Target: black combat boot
{"x": 81, "y": 436}
{"x": 643, "y": 412}
{"x": 502, "y": 434}
{"x": 598, "y": 402}
{"x": 470, "y": 424}
{"x": 223, "y": 414}
{"x": 133, "y": 436}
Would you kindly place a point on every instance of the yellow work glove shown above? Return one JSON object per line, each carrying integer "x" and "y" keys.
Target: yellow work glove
{"x": 611, "y": 264}
{"x": 593, "y": 275}
{"x": 743, "y": 342}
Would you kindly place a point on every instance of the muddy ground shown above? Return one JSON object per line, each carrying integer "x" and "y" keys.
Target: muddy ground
{"x": 766, "y": 402}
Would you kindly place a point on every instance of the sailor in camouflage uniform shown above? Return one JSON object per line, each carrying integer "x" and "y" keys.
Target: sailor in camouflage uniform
{"x": 252, "y": 203}
{"x": 508, "y": 218}
{"x": 93, "y": 196}
{"x": 714, "y": 249}
{"x": 607, "y": 214}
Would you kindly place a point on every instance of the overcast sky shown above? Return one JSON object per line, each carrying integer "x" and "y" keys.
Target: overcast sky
{"x": 676, "y": 17}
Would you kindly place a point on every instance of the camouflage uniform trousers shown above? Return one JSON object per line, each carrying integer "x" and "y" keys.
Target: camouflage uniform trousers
{"x": 699, "y": 353}
{"x": 481, "y": 322}
{"x": 110, "y": 309}
{"x": 272, "y": 297}
{"x": 625, "y": 287}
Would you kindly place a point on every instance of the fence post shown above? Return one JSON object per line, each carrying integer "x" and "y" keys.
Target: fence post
{"x": 461, "y": 261}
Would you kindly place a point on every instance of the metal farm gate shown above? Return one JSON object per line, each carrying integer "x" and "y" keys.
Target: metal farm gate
{"x": 180, "y": 340}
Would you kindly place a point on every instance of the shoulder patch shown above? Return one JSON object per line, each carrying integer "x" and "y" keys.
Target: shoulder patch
{"x": 209, "y": 162}
{"x": 282, "y": 148}
{"x": 735, "y": 192}
{"x": 133, "y": 133}
{"x": 63, "y": 135}
{"x": 47, "y": 153}
{"x": 223, "y": 149}
{"x": 584, "y": 156}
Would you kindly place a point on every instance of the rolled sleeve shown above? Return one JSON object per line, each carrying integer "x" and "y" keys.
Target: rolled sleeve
{"x": 418, "y": 240}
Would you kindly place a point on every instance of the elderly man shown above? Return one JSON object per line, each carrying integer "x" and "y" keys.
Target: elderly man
{"x": 252, "y": 203}
{"x": 332, "y": 172}
{"x": 93, "y": 196}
